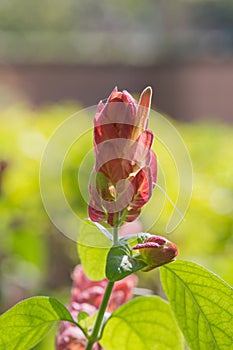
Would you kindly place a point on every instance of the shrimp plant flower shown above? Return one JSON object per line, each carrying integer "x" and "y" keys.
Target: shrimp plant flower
{"x": 125, "y": 171}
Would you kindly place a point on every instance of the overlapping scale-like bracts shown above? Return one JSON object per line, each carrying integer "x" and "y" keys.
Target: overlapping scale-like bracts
{"x": 125, "y": 171}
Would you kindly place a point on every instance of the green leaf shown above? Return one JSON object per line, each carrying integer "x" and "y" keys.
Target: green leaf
{"x": 25, "y": 324}
{"x": 202, "y": 304}
{"x": 87, "y": 323}
{"x": 93, "y": 247}
{"x": 144, "y": 323}
{"x": 134, "y": 239}
{"x": 120, "y": 263}
{"x": 82, "y": 316}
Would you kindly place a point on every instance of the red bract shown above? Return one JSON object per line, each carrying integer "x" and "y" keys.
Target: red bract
{"x": 86, "y": 296}
{"x": 126, "y": 169}
{"x": 156, "y": 251}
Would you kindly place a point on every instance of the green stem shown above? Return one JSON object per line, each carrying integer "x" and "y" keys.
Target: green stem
{"x": 115, "y": 235}
{"x": 99, "y": 319}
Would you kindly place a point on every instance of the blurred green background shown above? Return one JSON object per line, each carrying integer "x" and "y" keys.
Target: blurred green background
{"x": 59, "y": 57}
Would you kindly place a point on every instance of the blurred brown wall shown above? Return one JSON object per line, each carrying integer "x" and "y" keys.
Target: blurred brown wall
{"x": 191, "y": 91}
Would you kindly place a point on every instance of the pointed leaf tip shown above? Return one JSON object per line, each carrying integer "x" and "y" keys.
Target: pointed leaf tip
{"x": 26, "y": 323}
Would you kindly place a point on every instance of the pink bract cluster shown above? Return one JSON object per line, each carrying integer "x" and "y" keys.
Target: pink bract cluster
{"x": 86, "y": 296}
{"x": 156, "y": 251}
{"x": 126, "y": 169}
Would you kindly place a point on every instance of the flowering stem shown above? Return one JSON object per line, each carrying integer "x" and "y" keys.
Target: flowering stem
{"x": 115, "y": 235}
{"x": 99, "y": 320}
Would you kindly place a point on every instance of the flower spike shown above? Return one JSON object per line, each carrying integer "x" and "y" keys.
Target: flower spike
{"x": 125, "y": 163}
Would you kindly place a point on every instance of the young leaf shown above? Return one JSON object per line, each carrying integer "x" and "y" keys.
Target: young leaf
{"x": 134, "y": 239}
{"x": 120, "y": 263}
{"x": 82, "y": 316}
{"x": 87, "y": 323}
{"x": 93, "y": 246}
{"x": 144, "y": 323}
{"x": 202, "y": 304}
{"x": 25, "y": 324}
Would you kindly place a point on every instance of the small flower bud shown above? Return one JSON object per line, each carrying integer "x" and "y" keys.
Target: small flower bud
{"x": 156, "y": 251}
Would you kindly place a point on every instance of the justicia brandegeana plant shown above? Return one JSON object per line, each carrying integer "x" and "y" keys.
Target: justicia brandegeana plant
{"x": 100, "y": 314}
{"x": 125, "y": 174}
